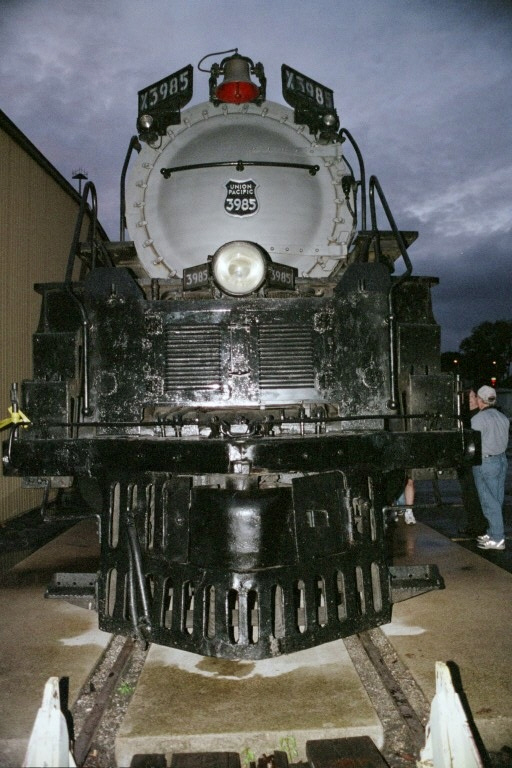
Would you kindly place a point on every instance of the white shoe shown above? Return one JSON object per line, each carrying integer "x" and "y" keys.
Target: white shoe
{"x": 491, "y": 544}
{"x": 409, "y": 517}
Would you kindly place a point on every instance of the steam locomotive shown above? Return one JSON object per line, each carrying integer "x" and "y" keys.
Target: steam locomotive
{"x": 239, "y": 389}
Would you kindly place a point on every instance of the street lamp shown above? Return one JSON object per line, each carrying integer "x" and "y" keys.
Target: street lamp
{"x": 81, "y": 175}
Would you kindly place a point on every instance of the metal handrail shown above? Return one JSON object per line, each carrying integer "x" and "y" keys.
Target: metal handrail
{"x": 240, "y": 165}
{"x": 89, "y": 188}
{"x": 374, "y": 184}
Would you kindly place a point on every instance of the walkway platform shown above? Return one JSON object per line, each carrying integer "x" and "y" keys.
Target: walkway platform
{"x": 40, "y": 638}
{"x": 188, "y": 703}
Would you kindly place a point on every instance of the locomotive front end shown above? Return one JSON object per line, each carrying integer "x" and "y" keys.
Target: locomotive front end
{"x": 245, "y": 382}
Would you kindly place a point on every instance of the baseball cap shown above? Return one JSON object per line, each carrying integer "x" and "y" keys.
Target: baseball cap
{"x": 487, "y": 394}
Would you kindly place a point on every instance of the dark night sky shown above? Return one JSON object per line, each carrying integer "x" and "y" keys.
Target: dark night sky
{"x": 425, "y": 87}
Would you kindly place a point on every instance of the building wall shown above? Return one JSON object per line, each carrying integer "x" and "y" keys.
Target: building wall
{"x": 38, "y": 210}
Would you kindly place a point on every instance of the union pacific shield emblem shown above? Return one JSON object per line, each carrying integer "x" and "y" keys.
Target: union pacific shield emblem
{"x": 241, "y": 198}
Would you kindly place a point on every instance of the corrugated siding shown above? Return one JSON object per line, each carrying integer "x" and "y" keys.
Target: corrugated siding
{"x": 37, "y": 220}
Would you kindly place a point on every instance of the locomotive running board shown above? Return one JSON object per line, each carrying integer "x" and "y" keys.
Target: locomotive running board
{"x": 73, "y": 586}
{"x": 412, "y": 580}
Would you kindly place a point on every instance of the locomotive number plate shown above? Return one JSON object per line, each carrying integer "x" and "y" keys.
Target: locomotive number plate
{"x": 300, "y": 91}
{"x": 241, "y": 198}
{"x": 281, "y": 276}
{"x": 196, "y": 277}
{"x": 173, "y": 92}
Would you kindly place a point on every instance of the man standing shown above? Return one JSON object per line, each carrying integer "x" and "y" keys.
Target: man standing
{"x": 490, "y": 475}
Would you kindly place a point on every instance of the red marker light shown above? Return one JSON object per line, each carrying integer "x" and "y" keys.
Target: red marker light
{"x": 237, "y": 86}
{"x": 237, "y": 92}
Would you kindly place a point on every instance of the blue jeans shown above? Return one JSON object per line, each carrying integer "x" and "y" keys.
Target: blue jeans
{"x": 490, "y": 484}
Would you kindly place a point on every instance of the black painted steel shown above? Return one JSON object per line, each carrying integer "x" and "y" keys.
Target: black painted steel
{"x": 245, "y": 574}
{"x": 240, "y": 165}
{"x": 241, "y": 453}
{"x": 235, "y": 522}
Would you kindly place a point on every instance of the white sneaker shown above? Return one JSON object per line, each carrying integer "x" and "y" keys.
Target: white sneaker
{"x": 491, "y": 544}
{"x": 409, "y": 517}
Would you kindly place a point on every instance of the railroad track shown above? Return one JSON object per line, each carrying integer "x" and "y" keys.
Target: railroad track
{"x": 396, "y": 697}
{"x": 400, "y": 705}
{"x": 102, "y": 703}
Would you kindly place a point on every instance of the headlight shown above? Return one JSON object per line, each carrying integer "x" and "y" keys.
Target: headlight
{"x": 239, "y": 267}
{"x": 145, "y": 122}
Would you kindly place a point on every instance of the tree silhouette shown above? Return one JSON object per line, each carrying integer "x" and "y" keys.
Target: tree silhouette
{"x": 487, "y": 353}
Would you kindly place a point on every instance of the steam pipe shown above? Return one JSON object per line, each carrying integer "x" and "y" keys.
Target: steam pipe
{"x": 132, "y": 601}
{"x": 133, "y": 543}
{"x": 362, "y": 173}
{"x": 134, "y": 144}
